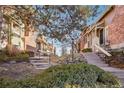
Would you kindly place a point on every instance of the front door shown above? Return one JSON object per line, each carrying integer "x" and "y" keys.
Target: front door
{"x": 102, "y": 38}
{"x": 38, "y": 46}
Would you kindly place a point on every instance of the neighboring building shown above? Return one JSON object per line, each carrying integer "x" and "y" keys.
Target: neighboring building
{"x": 64, "y": 50}
{"x": 17, "y": 35}
{"x": 41, "y": 42}
{"x": 43, "y": 45}
{"x": 30, "y": 41}
{"x": 51, "y": 48}
{"x": 12, "y": 31}
{"x": 107, "y": 32}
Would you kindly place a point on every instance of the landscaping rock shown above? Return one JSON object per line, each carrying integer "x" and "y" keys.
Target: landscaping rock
{"x": 12, "y": 62}
{"x": 3, "y": 69}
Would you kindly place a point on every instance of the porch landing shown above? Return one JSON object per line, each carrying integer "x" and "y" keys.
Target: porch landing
{"x": 94, "y": 59}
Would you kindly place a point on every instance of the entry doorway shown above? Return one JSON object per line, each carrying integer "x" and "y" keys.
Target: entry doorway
{"x": 101, "y": 37}
{"x": 38, "y": 46}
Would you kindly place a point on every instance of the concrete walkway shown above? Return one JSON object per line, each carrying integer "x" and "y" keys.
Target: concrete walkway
{"x": 40, "y": 62}
{"x": 94, "y": 59}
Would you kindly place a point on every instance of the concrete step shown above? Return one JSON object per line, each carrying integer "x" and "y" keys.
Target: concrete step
{"x": 39, "y": 58}
{"x": 94, "y": 59}
{"x": 42, "y": 66}
{"x": 119, "y": 75}
{"x": 38, "y": 63}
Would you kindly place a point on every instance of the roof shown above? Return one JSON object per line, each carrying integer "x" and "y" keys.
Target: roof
{"x": 109, "y": 8}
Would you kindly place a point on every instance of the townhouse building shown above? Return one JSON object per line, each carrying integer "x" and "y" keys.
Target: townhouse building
{"x": 106, "y": 33}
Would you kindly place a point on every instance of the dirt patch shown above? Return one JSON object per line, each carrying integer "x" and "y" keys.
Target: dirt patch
{"x": 17, "y": 70}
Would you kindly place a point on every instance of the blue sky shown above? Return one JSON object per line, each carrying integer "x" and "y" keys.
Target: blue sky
{"x": 101, "y": 10}
{"x": 90, "y": 21}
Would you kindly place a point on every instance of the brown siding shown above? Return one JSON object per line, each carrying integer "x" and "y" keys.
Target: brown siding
{"x": 81, "y": 41}
{"x": 30, "y": 43}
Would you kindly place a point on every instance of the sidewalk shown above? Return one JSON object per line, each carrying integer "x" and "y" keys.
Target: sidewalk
{"x": 94, "y": 59}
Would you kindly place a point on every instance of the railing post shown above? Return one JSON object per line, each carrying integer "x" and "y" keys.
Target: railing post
{"x": 49, "y": 58}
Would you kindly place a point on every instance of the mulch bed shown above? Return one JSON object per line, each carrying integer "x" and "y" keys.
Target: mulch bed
{"x": 116, "y": 60}
{"x": 17, "y": 70}
{"x": 117, "y": 65}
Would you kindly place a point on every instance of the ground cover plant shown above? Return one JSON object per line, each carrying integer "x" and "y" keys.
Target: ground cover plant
{"x": 70, "y": 75}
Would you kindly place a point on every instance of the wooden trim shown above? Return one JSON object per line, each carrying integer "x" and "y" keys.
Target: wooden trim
{"x": 94, "y": 26}
{"x": 102, "y": 50}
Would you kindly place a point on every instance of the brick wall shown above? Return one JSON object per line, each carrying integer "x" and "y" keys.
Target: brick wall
{"x": 116, "y": 28}
{"x": 114, "y": 21}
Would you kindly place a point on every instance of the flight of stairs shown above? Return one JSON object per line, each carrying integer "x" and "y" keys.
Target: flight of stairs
{"x": 41, "y": 62}
{"x": 94, "y": 59}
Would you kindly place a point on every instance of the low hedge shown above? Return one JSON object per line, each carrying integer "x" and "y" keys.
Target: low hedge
{"x": 116, "y": 60}
{"x": 71, "y": 75}
{"x": 30, "y": 53}
{"x": 18, "y": 58}
{"x": 3, "y": 57}
{"x": 87, "y": 50}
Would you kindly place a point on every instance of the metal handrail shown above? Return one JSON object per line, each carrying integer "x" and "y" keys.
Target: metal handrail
{"x": 47, "y": 52}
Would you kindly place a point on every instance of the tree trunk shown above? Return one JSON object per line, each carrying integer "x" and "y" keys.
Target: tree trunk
{"x": 72, "y": 50}
{"x": 9, "y": 45}
{"x": 9, "y": 34}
